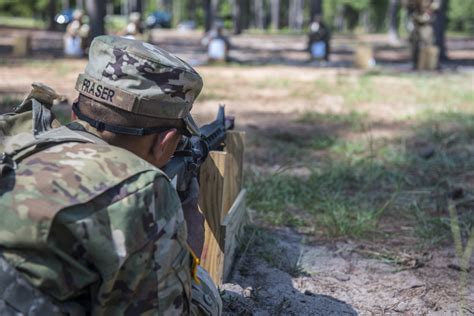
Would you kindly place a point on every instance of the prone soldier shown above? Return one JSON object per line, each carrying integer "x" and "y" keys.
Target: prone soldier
{"x": 90, "y": 223}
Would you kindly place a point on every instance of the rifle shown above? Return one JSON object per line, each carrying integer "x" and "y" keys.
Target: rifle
{"x": 193, "y": 151}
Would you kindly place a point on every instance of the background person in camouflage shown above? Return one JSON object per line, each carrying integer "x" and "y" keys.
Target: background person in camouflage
{"x": 97, "y": 226}
{"x": 422, "y": 13}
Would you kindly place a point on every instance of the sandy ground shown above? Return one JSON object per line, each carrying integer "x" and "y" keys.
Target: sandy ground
{"x": 298, "y": 275}
{"x": 341, "y": 278}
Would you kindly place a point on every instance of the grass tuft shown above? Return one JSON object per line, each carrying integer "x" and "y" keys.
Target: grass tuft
{"x": 361, "y": 183}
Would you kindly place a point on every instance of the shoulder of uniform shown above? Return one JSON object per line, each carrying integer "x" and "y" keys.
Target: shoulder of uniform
{"x": 84, "y": 169}
{"x": 66, "y": 175}
{"x": 87, "y": 157}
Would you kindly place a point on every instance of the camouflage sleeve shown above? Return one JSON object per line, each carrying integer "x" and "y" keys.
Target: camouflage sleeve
{"x": 134, "y": 240}
{"x": 124, "y": 252}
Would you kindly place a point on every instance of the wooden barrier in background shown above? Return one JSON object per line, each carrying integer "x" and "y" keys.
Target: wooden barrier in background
{"x": 428, "y": 58}
{"x": 364, "y": 57}
{"x": 222, "y": 201}
{"x": 21, "y": 46}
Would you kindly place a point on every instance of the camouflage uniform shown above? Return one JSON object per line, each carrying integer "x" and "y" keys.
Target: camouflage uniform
{"x": 422, "y": 18}
{"x": 93, "y": 226}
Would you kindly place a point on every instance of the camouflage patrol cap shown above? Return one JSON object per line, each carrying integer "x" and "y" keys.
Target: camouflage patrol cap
{"x": 140, "y": 78}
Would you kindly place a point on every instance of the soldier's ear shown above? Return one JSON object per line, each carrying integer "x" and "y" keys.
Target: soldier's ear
{"x": 73, "y": 115}
{"x": 167, "y": 137}
{"x": 164, "y": 146}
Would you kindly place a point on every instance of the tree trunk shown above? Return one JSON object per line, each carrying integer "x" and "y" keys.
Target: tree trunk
{"x": 124, "y": 9}
{"x": 166, "y": 5}
{"x": 299, "y": 11}
{"x": 52, "y": 14}
{"x": 80, "y": 4}
{"x": 210, "y": 10}
{"x": 440, "y": 28}
{"x": 192, "y": 10}
{"x": 208, "y": 15}
{"x": 109, "y": 8}
{"x": 177, "y": 12}
{"x": 96, "y": 12}
{"x": 291, "y": 14}
{"x": 275, "y": 14}
{"x": 237, "y": 16}
{"x": 65, "y": 4}
{"x": 295, "y": 14}
{"x": 135, "y": 6}
{"x": 215, "y": 10}
{"x": 393, "y": 20}
{"x": 316, "y": 9}
{"x": 259, "y": 14}
{"x": 246, "y": 13}
{"x": 364, "y": 17}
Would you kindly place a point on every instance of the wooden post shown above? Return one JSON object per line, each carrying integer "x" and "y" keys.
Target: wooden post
{"x": 428, "y": 58}
{"x": 364, "y": 57}
{"x": 21, "y": 46}
{"x": 233, "y": 224}
{"x": 222, "y": 201}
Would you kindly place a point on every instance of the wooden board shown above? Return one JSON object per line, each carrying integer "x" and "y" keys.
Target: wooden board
{"x": 233, "y": 225}
{"x": 21, "y": 46}
{"x": 235, "y": 144}
{"x": 364, "y": 57}
{"x": 234, "y": 173}
{"x": 428, "y": 58}
{"x": 212, "y": 179}
{"x": 222, "y": 201}
{"x": 212, "y": 182}
{"x": 212, "y": 257}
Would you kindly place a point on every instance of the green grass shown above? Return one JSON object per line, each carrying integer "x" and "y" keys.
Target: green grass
{"x": 259, "y": 243}
{"x": 210, "y": 96}
{"x": 322, "y": 142}
{"x": 282, "y": 31}
{"x": 362, "y": 182}
{"x": 433, "y": 229}
{"x": 336, "y": 197}
{"x": 115, "y": 23}
{"x": 22, "y": 22}
{"x": 61, "y": 67}
{"x": 7, "y": 104}
{"x": 356, "y": 120}
{"x": 425, "y": 91}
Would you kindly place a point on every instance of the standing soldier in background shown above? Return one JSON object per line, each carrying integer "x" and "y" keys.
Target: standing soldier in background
{"x": 76, "y": 37}
{"x": 90, "y": 224}
{"x": 422, "y": 14}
